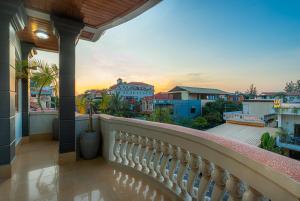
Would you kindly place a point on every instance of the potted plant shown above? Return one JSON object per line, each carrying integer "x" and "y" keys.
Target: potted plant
{"x": 89, "y": 140}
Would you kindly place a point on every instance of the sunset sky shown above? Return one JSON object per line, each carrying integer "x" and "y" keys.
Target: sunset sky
{"x": 203, "y": 43}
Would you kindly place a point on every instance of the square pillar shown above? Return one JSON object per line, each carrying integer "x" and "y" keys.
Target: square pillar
{"x": 68, "y": 31}
{"x": 10, "y": 15}
{"x": 25, "y": 48}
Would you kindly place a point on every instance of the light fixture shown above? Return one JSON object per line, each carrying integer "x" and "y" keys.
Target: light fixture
{"x": 41, "y": 34}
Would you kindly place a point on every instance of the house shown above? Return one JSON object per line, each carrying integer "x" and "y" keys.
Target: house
{"x": 292, "y": 97}
{"x": 46, "y": 98}
{"x": 196, "y": 93}
{"x": 161, "y": 99}
{"x": 256, "y": 112}
{"x": 289, "y": 121}
{"x": 285, "y": 97}
{"x": 271, "y": 95}
{"x": 132, "y": 91}
{"x": 180, "y": 109}
{"x": 95, "y": 94}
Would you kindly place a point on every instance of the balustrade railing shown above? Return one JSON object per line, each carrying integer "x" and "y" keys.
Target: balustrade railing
{"x": 198, "y": 166}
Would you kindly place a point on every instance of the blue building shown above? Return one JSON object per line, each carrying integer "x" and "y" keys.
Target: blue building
{"x": 188, "y": 109}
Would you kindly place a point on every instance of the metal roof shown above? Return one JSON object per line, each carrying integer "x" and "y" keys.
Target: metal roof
{"x": 197, "y": 90}
{"x": 242, "y": 133}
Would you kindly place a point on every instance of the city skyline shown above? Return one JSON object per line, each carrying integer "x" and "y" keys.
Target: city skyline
{"x": 200, "y": 44}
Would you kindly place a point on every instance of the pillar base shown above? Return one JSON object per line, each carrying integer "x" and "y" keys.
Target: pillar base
{"x": 6, "y": 170}
{"x": 67, "y": 158}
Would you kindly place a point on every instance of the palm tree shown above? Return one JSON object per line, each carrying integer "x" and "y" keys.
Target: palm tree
{"x": 115, "y": 104}
{"x": 45, "y": 75}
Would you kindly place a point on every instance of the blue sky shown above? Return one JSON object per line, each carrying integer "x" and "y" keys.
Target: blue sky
{"x": 226, "y": 44}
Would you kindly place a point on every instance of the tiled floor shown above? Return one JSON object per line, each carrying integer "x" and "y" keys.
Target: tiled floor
{"x": 37, "y": 177}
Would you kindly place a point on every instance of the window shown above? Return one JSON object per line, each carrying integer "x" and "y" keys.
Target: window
{"x": 193, "y": 110}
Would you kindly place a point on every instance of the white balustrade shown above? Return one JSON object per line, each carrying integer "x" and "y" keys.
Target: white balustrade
{"x": 194, "y": 165}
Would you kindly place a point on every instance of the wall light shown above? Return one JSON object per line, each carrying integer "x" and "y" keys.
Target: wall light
{"x": 41, "y": 34}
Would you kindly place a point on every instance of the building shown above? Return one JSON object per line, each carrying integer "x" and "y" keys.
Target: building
{"x": 185, "y": 109}
{"x": 161, "y": 99}
{"x": 285, "y": 97}
{"x": 131, "y": 90}
{"x": 289, "y": 118}
{"x": 180, "y": 109}
{"x": 256, "y": 112}
{"x": 46, "y": 99}
{"x": 195, "y": 93}
{"x": 272, "y": 95}
{"x": 95, "y": 94}
{"x": 289, "y": 121}
{"x": 292, "y": 97}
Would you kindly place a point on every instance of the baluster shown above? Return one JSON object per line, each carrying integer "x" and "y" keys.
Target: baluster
{"x": 129, "y": 151}
{"x": 149, "y": 156}
{"x": 173, "y": 150}
{"x": 234, "y": 188}
{"x": 136, "y": 158}
{"x": 251, "y": 195}
{"x": 117, "y": 146}
{"x": 164, "y": 162}
{"x": 156, "y": 162}
{"x": 143, "y": 142}
{"x": 159, "y": 169}
{"x": 194, "y": 172}
{"x": 183, "y": 165}
{"x": 204, "y": 180}
{"x": 219, "y": 177}
{"x": 145, "y": 149}
{"x": 123, "y": 149}
{"x": 152, "y": 157}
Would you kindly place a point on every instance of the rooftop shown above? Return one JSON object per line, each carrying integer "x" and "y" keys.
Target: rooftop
{"x": 246, "y": 134}
{"x": 198, "y": 90}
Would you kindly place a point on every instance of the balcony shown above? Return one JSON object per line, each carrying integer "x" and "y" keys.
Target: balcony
{"x": 246, "y": 119}
{"x": 144, "y": 160}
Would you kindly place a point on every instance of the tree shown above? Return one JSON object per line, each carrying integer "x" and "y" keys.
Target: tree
{"x": 213, "y": 118}
{"x": 291, "y": 86}
{"x": 115, "y": 104}
{"x": 104, "y": 104}
{"x": 251, "y": 92}
{"x": 80, "y": 103}
{"x": 161, "y": 115}
{"x": 45, "y": 75}
{"x": 200, "y": 123}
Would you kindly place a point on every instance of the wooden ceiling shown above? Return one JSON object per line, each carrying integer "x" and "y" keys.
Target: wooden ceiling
{"x": 94, "y": 13}
{"x": 28, "y": 34}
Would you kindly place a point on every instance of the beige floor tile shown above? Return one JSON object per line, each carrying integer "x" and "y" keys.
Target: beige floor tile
{"x": 38, "y": 177}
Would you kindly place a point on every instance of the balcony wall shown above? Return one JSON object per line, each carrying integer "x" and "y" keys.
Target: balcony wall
{"x": 41, "y": 122}
{"x": 194, "y": 164}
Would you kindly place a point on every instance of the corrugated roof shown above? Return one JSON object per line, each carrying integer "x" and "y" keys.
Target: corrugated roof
{"x": 198, "y": 90}
{"x": 246, "y": 134}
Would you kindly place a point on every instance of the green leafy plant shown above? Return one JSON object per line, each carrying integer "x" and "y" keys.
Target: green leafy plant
{"x": 200, "y": 123}
{"x": 45, "y": 75}
{"x": 268, "y": 142}
{"x": 85, "y": 104}
{"x": 161, "y": 115}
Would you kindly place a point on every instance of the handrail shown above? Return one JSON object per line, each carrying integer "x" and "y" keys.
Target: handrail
{"x": 176, "y": 156}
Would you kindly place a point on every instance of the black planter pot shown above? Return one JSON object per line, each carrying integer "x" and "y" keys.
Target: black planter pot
{"x": 89, "y": 144}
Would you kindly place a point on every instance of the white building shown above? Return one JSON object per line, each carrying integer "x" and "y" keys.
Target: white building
{"x": 256, "y": 112}
{"x": 132, "y": 90}
{"x": 289, "y": 118}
